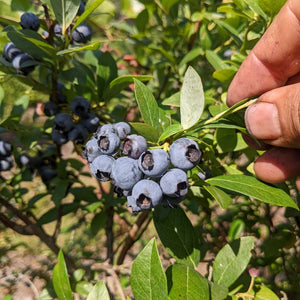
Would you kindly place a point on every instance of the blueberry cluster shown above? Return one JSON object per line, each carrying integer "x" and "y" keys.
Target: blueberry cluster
{"x": 147, "y": 177}
{"x": 22, "y": 62}
{"x": 44, "y": 163}
{"x": 6, "y": 159}
{"x": 64, "y": 129}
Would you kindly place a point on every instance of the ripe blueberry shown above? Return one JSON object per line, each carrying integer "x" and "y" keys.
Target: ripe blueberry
{"x": 184, "y": 153}
{"x": 104, "y": 129}
{"x": 59, "y": 137}
{"x": 6, "y": 163}
{"x": 24, "y": 63}
{"x": 125, "y": 173}
{"x": 145, "y": 194}
{"x": 109, "y": 143}
{"x": 57, "y": 29}
{"x": 123, "y": 129}
{"x": 81, "y": 8}
{"x": 174, "y": 183}
{"x": 50, "y": 108}
{"x": 63, "y": 122}
{"x": 91, "y": 150}
{"x": 134, "y": 145}
{"x": 82, "y": 33}
{"x": 30, "y": 21}
{"x": 78, "y": 134}
{"x": 5, "y": 148}
{"x": 154, "y": 163}
{"x": 101, "y": 167}
{"x": 80, "y": 106}
{"x": 10, "y": 51}
{"x": 90, "y": 122}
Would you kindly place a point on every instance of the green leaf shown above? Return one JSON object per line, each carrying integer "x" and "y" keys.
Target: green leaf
{"x": 98, "y": 222}
{"x": 186, "y": 283}
{"x": 147, "y": 131}
{"x": 60, "y": 279}
{"x": 191, "y": 55}
{"x": 252, "y": 187}
{"x": 88, "y": 10}
{"x": 92, "y": 46}
{"x": 107, "y": 70}
{"x": 173, "y": 100}
{"x": 265, "y": 293}
{"x": 120, "y": 83}
{"x": 236, "y": 229}
{"x": 172, "y": 129}
{"x": 231, "y": 31}
{"x": 214, "y": 59}
{"x": 226, "y": 139}
{"x": 32, "y": 43}
{"x": 167, "y": 4}
{"x": 223, "y": 199}
{"x": 99, "y": 291}
{"x": 217, "y": 291}
{"x": 224, "y": 75}
{"x": 147, "y": 104}
{"x": 191, "y": 99}
{"x": 65, "y": 11}
{"x": 254, "y": 6}
{"x": 83, "y": 288}
{"x": 148, "y": 280}
{"x": 271, "y": 7}
{"x": 177, "y": 234}
{"x": 232, "y": 260}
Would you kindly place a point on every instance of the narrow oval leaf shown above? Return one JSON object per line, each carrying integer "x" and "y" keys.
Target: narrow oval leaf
{"x": 252, "y": 187}
{"x": 148, "y": 280}
{"x": 60, "y": 279}
{"x": 99, "y": 291}
{"x": 191, "y": 99}
{"x": 265, "y": 294}
{"x": 223, "y": 199}
{"x": 170, "y": 130}
{"x": 88, "y": 10}
{"x": 147, "y": 103}
{"x": 232, "y": 260}
{"x": 146, "y": 130}
{"x": 120, "y": 83}
{"x": 65, "y": 11}
{"x": 93, "y": 46}
{"x": 177, "y": 234}
{"x": 186, "y": 283}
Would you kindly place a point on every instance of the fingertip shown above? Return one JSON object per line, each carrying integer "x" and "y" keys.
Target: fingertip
{"x": 278, "y": 165}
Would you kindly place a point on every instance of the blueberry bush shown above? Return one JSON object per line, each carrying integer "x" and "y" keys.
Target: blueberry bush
{"x": 119, "y": 154}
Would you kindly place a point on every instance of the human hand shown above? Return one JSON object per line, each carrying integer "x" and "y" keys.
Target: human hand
{"x": 272, "y": 70}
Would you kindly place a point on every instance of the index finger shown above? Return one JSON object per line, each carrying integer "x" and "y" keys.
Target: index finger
{"x": 273, "y": 60}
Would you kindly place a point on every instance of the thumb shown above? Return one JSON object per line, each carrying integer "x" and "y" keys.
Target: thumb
{"x": 275, "y": 117}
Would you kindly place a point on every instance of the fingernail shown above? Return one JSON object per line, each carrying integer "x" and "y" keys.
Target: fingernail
{"x": 262, "y": 121}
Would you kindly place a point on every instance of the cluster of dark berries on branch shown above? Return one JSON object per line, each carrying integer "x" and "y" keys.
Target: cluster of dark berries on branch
{"x": 6, "y": 158}
{"x": 147, "y": 177}
{"x": 22, "y": 62}
{"x": 64, "y": 127}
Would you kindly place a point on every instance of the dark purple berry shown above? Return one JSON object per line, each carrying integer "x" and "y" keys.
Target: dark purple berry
{"x": 109, "y": 143}
{"x": 10, "y": 51}
{"x": 145, "y": 195}
{"x": 125, "y": 173}
{"x": 101, "y": 167}
{"x": 154, "y": 163}
{"x": 30, "y": 21}
{"x": 80, "y": 106}
{"x": 78, "y": 134}
{"x": 91, "y": 150}
{"x": 174, "y": 183}
{"x": 51, "y": 108}
{"x": 59, "y": 137}
{"x": 6, "y": 163}
{"x": 90, "y": 122}
{"x": 24, "y": 63}
{"x": 5, "y": 149}
{"x": 123, "y": 129}
{"x": 134, "y": 145}
{"x": 63, "y": 122}
{"x": 82, "y": 33}
{"x": 185, "y": 154}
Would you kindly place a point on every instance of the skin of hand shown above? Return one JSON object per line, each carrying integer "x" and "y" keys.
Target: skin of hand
{"x": 272, "y": 70}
